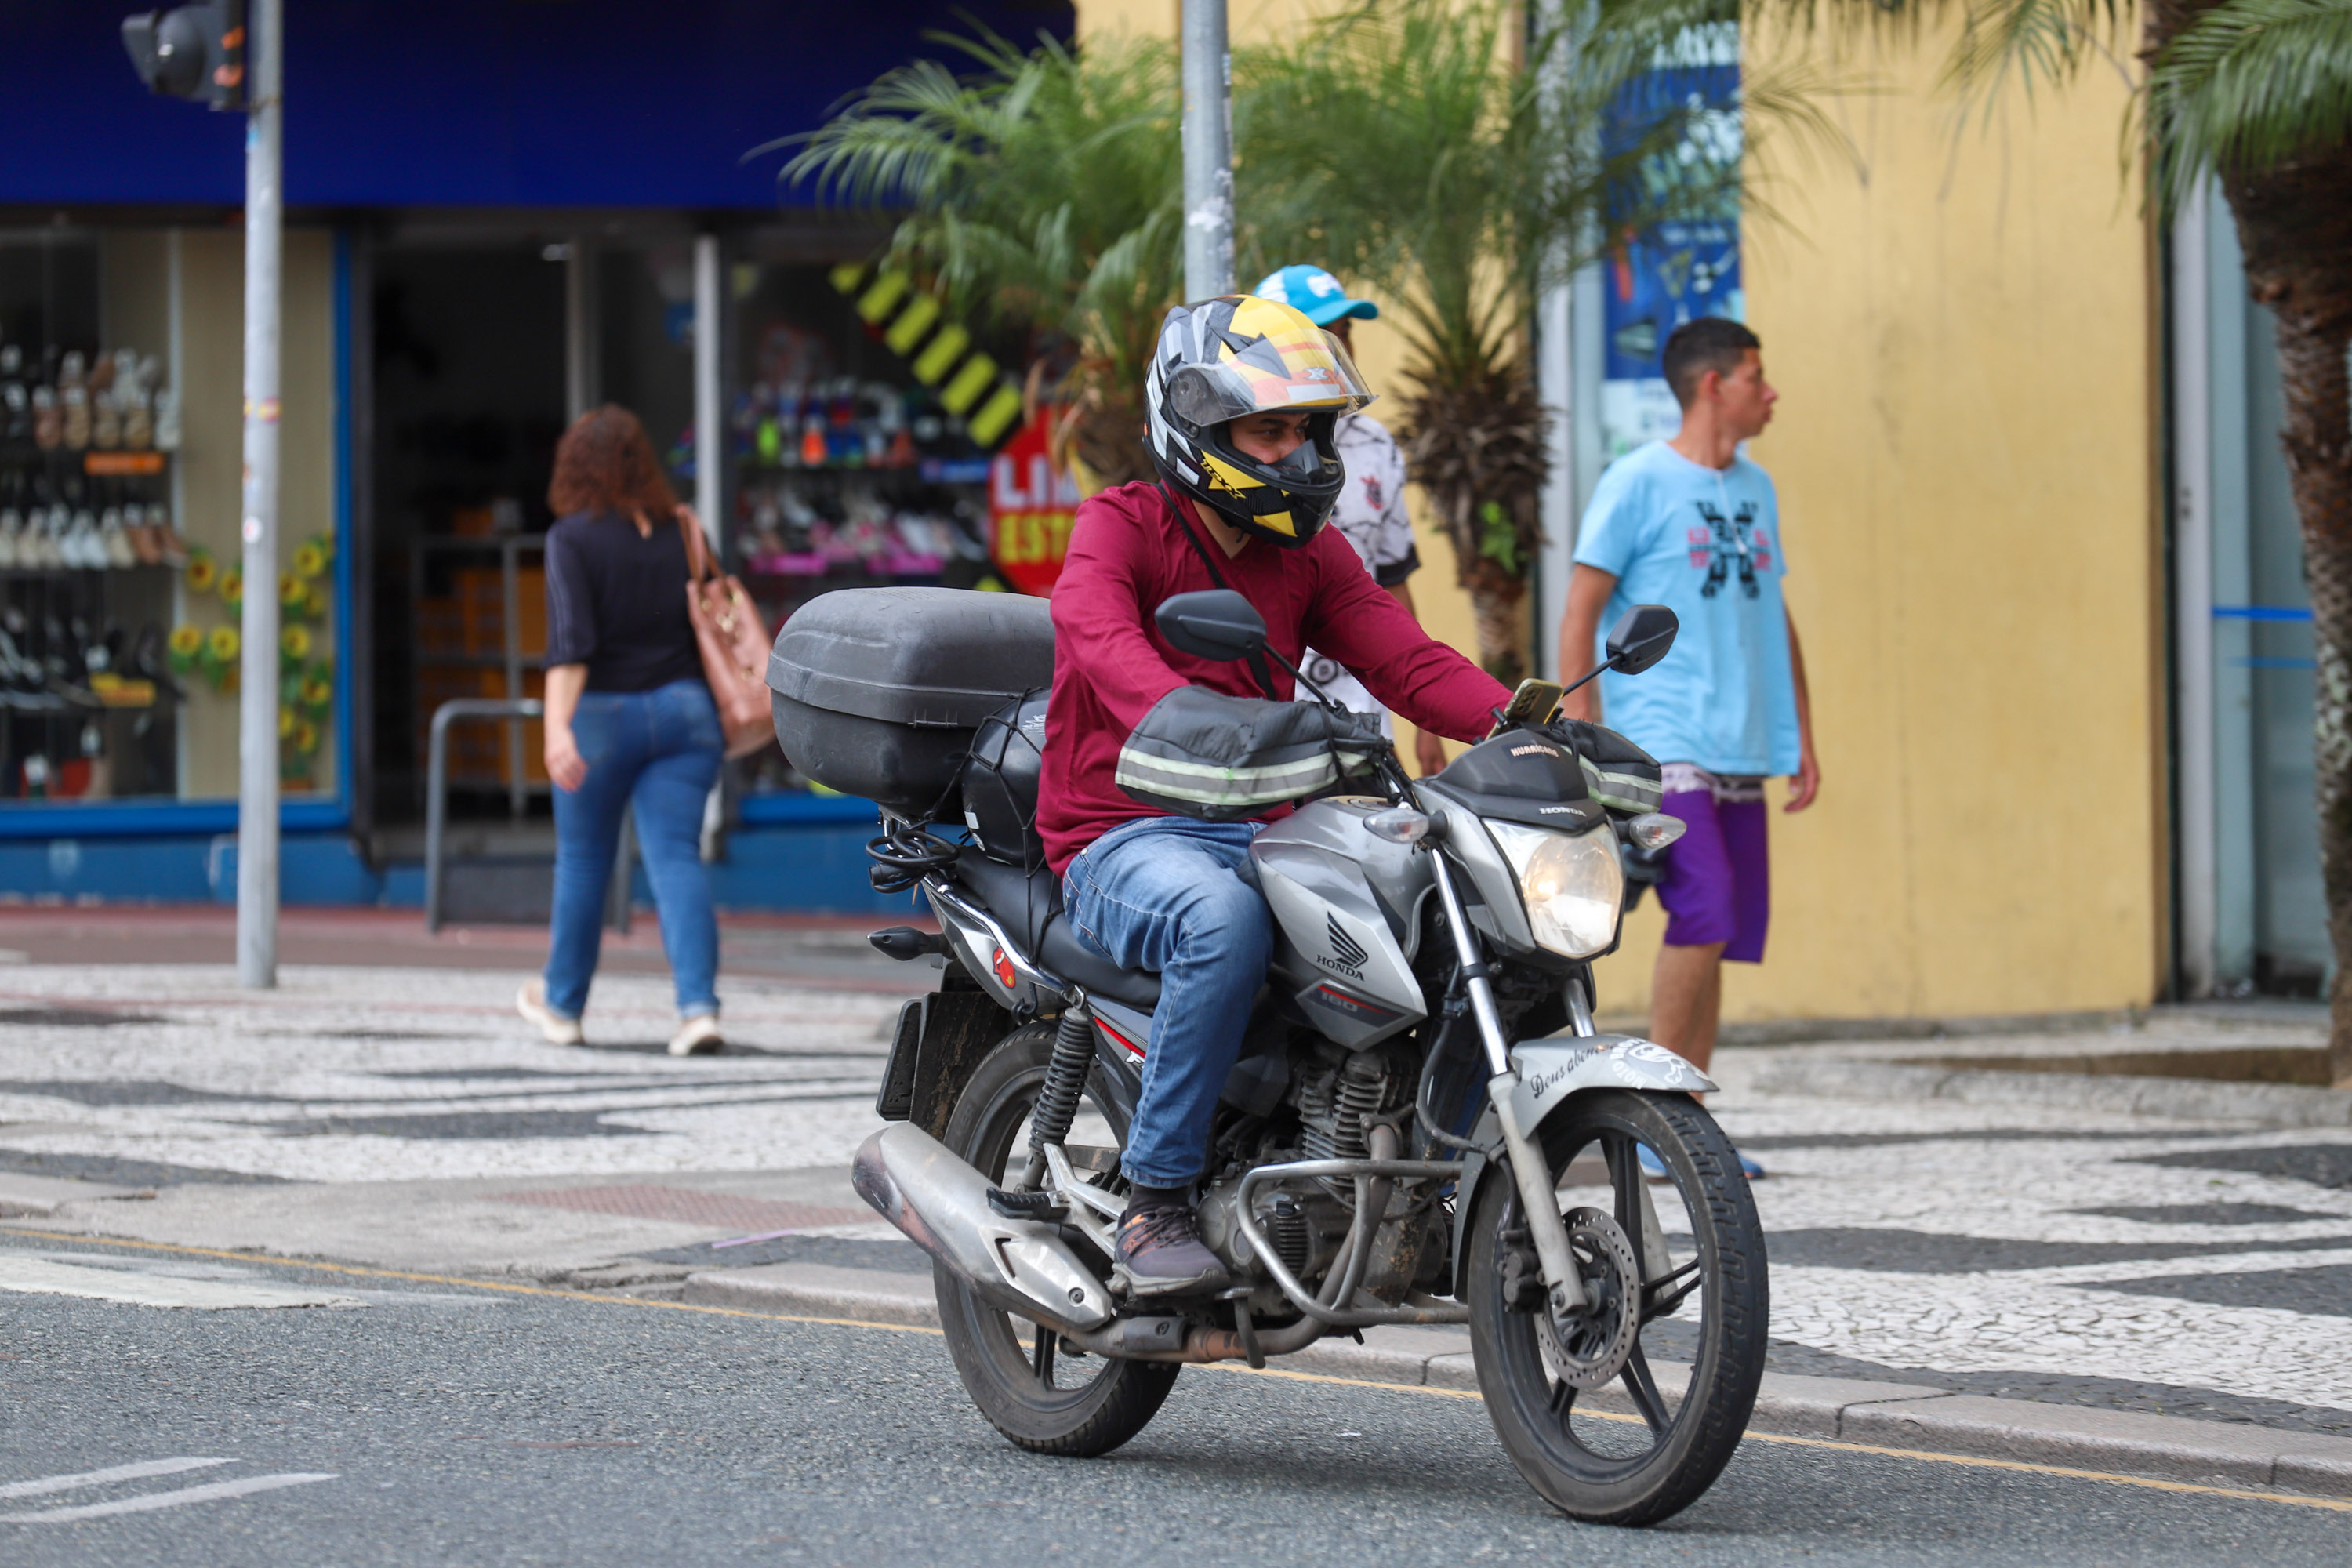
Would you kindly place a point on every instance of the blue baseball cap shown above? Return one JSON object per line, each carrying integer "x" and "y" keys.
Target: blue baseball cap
{"x": 1315, "y": 292}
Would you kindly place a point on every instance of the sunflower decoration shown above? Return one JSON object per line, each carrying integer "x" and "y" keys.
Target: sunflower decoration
{"x": 318, "y": 690}
{"x": 314, "y": 602}
{"x": 218, "y": 659}
{"x": 231, "y": 588}
{"x": 185, "y": 648}
{"x": 286, "y": 722}
{"x": 294, "y": 644}
{"x": 324, "y": 544}
{"x": 309, "y": 560}
{"x": 304, "y": 737}
{"x": 203, "y": 570}
{"x": 291, "y": 590}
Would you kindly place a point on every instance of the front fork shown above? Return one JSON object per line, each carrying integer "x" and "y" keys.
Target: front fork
{"x": 1538, "y": 1201}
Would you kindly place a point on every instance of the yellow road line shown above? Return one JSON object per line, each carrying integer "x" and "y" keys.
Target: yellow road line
{"x": 1969, "y": 1461}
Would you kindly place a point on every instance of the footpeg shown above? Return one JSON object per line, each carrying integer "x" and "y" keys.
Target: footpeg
{"x": 1045, "y": 1208}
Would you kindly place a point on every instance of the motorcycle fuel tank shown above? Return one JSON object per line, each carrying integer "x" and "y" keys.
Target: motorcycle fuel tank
{"x": 1347, "y": 910}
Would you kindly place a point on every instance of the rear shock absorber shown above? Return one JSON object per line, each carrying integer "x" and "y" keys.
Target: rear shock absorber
{"x": 1066, "y": 1084}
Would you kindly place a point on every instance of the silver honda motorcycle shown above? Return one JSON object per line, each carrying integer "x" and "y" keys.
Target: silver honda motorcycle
{"x": 1424, "y": 1126}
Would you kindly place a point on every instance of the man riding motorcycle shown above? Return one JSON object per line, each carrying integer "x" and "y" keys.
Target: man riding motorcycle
{"x": 1160, "y": 768}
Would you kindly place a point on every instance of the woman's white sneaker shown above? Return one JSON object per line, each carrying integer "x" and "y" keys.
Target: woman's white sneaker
{"x": 531, "y": 1003}
{"x": 698, "y": 1037}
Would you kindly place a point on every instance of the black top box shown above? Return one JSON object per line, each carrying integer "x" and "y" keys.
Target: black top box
{"x": 876, "y": 692}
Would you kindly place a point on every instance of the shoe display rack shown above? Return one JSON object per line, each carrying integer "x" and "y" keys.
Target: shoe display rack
{"x": 88, "y": 702}
{"x": 851, "y": 465}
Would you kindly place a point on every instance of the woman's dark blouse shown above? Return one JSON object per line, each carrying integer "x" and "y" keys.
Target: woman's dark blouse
{"x": 616, "y": 602}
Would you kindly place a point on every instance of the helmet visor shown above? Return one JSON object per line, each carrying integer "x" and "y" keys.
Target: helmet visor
{"x": 1295, "y": 367}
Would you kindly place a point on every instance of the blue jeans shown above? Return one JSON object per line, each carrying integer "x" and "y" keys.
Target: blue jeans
{"x": 1179, "y": 897}
{"x": 661, "y": 750}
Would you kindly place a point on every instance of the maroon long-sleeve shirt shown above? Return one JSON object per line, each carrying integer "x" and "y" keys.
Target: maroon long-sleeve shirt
{"x": 1111, "y": 664}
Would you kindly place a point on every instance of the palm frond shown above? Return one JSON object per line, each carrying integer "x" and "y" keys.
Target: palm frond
{"x": 2249, "y": 85}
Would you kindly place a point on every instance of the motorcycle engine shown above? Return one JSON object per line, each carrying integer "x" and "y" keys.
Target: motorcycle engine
{"x": 1339, "y": 1096}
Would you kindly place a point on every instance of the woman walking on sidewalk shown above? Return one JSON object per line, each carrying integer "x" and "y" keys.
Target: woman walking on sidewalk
{"x": 629, "y": 721}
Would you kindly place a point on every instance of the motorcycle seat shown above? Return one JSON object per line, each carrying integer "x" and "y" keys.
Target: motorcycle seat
{"x": 1029, "y": 906}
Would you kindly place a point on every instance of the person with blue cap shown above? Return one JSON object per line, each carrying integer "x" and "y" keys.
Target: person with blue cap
{"x": 1371, "y": 509}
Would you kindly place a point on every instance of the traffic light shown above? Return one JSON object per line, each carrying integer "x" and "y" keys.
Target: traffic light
{"x": 195, "y": 52}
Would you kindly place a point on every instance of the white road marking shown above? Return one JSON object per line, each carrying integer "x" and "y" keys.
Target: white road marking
{"x": 212, "y": 1492}
{"x": 101, "y": 1478}
{"x": 40, "y": 1276}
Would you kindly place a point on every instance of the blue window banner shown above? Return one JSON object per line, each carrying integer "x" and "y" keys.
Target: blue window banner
{"x": 1656, "y": 278}
{"x": 587, "y": 103}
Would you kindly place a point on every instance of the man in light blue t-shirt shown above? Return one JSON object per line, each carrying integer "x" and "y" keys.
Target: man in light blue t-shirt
{"x": 1692, "y": 524}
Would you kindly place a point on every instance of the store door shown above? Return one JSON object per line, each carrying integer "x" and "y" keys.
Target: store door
{"x": 468, "y": 400}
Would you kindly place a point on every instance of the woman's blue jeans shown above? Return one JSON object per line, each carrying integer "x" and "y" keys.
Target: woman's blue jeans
{"x": 1179, "y": 897}
{"x": 659, "y": 749}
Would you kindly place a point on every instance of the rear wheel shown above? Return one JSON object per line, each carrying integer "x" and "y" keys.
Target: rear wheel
{"x": 1607, "y": 1432}
{"x": 1041, "y": 1397}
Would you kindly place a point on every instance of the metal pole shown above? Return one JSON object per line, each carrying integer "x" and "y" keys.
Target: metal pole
{"x": 1208, "y": 151}
{"x": 710, "y": 482}
{"x": 2192, "y": 577}
{"x": 256, "y": 815}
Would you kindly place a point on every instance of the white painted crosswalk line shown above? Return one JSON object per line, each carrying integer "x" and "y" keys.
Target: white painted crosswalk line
{"x": 212, "y": 1492}
{"x": 138, "y": 1472}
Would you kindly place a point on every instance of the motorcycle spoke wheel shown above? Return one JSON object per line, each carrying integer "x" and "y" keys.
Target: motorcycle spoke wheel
{"x": 1646, "y": 1444}
{"x": 1041, "y": 1399}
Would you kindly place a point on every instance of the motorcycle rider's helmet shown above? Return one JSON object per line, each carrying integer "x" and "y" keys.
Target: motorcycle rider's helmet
{"x": 1222, "y": 359}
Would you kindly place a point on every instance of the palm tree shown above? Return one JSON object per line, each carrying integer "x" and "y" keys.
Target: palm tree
{"x": 2258, "y": 93}
{"x": 1041, "y": 190}
{"x": 1455, "y": 159}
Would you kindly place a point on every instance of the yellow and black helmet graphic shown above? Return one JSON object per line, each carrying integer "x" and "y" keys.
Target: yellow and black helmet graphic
{"x": 1228, "y": 358}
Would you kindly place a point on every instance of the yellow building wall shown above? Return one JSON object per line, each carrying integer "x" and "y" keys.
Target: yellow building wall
{"x": 1960, "y": 326}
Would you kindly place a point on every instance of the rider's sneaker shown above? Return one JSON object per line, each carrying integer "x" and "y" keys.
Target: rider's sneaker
{"x": 1160, "y": 1252}
{"x": 1655, "y": 1169}
{"x": 531, "y": 1003}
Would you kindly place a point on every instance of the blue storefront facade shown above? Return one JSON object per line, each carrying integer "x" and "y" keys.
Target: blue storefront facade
{"x": 499, "y": 213}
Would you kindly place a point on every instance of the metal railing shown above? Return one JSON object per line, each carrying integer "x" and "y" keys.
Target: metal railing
{"x": 437, "y": 800}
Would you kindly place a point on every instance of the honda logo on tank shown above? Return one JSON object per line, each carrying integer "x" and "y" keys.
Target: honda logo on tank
{"x": 1031, "y": 505}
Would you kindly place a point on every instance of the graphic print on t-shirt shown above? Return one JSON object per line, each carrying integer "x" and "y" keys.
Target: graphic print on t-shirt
{"x": 1728, "y": 544}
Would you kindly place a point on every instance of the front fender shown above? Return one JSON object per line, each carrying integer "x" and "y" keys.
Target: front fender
{"x": 1551, "y": 1071}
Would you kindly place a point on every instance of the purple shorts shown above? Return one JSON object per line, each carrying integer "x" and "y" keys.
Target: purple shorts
{"x": 1718, "y": 884}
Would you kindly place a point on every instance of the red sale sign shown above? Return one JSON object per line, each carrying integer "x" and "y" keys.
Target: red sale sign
{"x": 1031, "y": 505}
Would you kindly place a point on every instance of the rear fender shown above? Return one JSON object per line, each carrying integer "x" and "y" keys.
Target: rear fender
{"x": 1552, "y": 1072}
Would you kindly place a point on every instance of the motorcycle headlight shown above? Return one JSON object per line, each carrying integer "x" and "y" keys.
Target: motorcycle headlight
{"x": 1572, "y": 886}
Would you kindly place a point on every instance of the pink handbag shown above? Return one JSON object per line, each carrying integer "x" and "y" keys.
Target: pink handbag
{"x": 734, "y": 644}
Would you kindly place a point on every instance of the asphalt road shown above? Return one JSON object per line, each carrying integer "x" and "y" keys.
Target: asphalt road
{"x": 449, "y": 1425}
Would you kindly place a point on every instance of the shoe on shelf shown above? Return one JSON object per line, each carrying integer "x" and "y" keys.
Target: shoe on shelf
{"x": 558, "y": 1030}
{"x": 698, "y": 1037}
{"x": 1654, "y": 1168}
{"x": 1160, "y": 1252}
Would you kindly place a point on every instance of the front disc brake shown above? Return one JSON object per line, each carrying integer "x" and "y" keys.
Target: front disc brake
{"x": 1588, "y": 1347}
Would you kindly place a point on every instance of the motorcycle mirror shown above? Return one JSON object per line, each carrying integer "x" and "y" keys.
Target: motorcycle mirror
{"x": 1214, "y": 623}
{"x": 1641, "y": 637}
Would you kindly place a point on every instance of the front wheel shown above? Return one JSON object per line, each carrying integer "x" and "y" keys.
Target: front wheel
{"x": 1599, "y": 1430}
{"x": 1042, "y": 1399}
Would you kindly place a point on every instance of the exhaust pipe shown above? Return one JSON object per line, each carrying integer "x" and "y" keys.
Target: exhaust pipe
{"x": 916, "y": 1183}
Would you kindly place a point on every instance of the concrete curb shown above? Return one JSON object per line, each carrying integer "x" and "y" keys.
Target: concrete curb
{"x": 1884, "y": 1415}
{"x": 40, "y": 1197}
{"x": 2179, "y": 1099}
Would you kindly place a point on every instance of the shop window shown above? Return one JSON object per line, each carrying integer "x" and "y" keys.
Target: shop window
{"x": 120, "y": 587}
{"x": 844, "y": 468}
